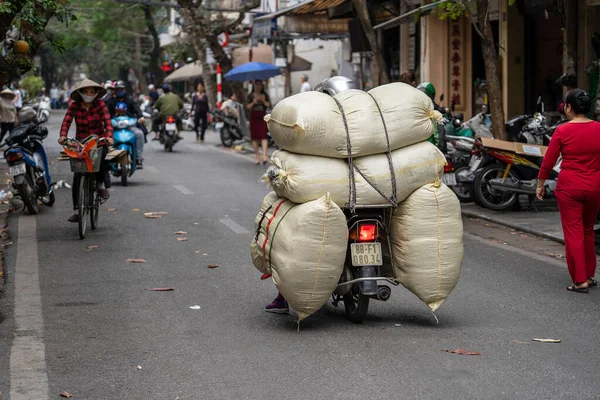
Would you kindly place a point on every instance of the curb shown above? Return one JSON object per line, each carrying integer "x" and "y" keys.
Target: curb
{"x": 3, "y": 242}
{"x": 531, "y": 231}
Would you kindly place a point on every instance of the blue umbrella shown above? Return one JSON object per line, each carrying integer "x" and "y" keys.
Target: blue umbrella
{"x": 252, "y": 71}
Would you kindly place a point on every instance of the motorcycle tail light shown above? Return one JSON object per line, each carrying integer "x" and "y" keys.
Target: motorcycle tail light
{"x": 367, "y": 232}
{"x": 13, "y": 157}
{"x": 448, "y": 167}
{"x": 170, "y": 120}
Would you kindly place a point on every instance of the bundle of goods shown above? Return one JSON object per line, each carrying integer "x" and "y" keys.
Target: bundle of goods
{"x": 355, "y": 149}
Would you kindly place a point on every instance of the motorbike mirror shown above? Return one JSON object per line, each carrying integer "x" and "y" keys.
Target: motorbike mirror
{"x": 441, "y": 97}
{"x": 484, "y": 108}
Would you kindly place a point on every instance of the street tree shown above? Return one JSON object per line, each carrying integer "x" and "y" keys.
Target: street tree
{"x": 22, "y": 31}
{"x": 478, "y": 13}
{"x": 204, "y": 21}
{"x": 361, "y": 8}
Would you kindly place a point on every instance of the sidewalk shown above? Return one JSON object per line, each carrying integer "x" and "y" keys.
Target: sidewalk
{"x": 544, "y": 223}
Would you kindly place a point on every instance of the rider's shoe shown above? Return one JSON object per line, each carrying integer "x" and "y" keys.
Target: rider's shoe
{"x": 278, "y": 306}
{"x": 104, "y": 193}
{"x": 74, "y": 218}
{"x": 139, "y": 164}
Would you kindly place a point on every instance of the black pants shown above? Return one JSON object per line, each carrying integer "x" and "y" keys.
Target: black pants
{"x": 101, "y": 176}
{"x": 197, "y": 117}
{"x": 6, "y": 127}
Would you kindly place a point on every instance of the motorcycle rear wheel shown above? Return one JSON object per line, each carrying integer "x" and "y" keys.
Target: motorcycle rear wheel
{"x": 124, "y": 174}
{"x": 356, "y": 304}
{"x": 28, "y": 195}
{"x": 226, "y": 137}
{"x": 464, "y": 193}
{"x": 490, "y": 198}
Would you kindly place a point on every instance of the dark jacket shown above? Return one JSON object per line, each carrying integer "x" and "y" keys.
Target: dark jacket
{"x": 133, "y": 109}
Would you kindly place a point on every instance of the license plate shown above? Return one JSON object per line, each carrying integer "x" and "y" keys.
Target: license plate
{"x": 474, "y": 164}
{"x": 219, "y": 125}
{"x": 366, "y": 254}
{"x": 449, "y": 179}
{"x": 18, "y": 169}
{"x": 171, "y": 127}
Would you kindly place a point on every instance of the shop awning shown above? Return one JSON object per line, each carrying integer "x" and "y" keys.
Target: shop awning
{"x": 409, "y": 16}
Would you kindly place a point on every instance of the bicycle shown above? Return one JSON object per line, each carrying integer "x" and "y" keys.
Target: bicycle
{"x": 85, "y": 158}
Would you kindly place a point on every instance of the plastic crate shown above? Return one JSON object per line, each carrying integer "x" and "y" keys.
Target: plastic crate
{"x": 81, "y": 166}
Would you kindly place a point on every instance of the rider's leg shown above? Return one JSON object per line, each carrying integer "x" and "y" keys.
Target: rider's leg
{"x": 75, "y": 197}
{"x": 101, "y": 175}
{"x": 204, "y": 126}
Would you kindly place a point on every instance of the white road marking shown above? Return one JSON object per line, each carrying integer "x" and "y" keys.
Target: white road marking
{"x": 234, "y": 226}
{"x": 28, "y": 375}
{"x": 183, "y": 189}
{"x": 152, "y": 169}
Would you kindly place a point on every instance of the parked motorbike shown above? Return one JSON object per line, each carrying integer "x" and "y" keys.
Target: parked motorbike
{"x": 125, "y": 140}
{"x": 229, "y": 129}
{"x": 43, "y": 109}
{"x": 457, "y": 168}
{"x": 28, "y": 165}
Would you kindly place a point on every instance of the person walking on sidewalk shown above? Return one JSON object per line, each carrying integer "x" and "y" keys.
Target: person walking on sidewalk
{"x": 8, "y": 113}
{"x": 578, "y": 187}
{"x": 200, "y": 109}
{"x": 258, "y": 102}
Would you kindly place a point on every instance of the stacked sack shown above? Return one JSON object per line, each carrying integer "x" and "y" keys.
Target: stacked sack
{"x": 356, "y": 148}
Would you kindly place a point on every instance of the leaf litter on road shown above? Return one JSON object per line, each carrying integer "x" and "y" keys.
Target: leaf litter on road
{"x": 181, "y": 233}
{"x": 212, "y": 266}
{"x": 66, "y": 394}
{"x": 155, "y": 214}
{"x": 195, "y": 307}
{"x": 135, "y": 209}
{"x": 161, "y": 289}
{"x": 463, "y": 352}
{"x": 136, "y": 260}
{"x": 546, "y": 340}
{"x": 93, "y": 247}
{"x": 555, "y": 255}
{"x": 182, "y": 239}
{"x": 112, "y": 209}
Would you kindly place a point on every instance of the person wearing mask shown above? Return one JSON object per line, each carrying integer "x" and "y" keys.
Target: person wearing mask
{"x": 91, "y": 118}
{"x": 133, "y": 110}
{"x": 167, "y": 104}
{"x": 8, "y": 113}
{"x": 121, "y": 111}
{"x": 258, "y": 102}
{"x": 578, "y": 187}
{"x": 18, "y": 96}
{"x": 200, "y": 109}
{"x": 305, "y": 85}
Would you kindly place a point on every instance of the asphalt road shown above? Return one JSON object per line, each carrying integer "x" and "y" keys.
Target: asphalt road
{"x": 90, "y": 324}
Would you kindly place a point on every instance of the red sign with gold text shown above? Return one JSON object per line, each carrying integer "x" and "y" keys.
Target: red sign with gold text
{"x": 457, "y": 64}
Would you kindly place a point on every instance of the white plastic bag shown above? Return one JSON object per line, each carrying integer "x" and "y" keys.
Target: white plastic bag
{"x": 302, "y": 178}
{"x": 427, "y": 243}
{"x": 312, "y": 122}
{"x": 304, "y": 247}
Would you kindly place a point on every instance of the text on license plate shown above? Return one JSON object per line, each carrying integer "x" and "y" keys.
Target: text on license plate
{"x": 18, "y": 169}
{"x": 219, "y": 125}
{"x": 366, "y": 254}
{"x": 449, "y": 179}
{"x": 171, "y": 127}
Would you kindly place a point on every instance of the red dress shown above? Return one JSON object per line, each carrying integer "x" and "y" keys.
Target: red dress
{"x": 258, "y": 126}
{"x": 577, "y": 191}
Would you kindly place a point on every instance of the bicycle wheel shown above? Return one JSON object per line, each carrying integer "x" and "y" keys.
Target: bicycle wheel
{"x": 83, "y": 202}
{"x": 95, "y": 206}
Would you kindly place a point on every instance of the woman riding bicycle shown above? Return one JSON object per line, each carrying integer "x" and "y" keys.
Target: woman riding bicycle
{"x": 91, "y": 118}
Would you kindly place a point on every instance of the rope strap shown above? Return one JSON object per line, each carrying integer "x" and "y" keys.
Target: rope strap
{"x": 352, "y": 188}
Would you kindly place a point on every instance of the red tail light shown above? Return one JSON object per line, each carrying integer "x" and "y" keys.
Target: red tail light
{"x": 170, "y": 120}
{"x": 367, "y": 232}
{"x": 13, "y": 157}
{"x": 448, "y": 167}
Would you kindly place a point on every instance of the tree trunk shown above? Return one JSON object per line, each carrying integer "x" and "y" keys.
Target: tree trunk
{"x": 154, "y": 64}
{"x": 492, "y": 71}
{"x": 363, "y": 13}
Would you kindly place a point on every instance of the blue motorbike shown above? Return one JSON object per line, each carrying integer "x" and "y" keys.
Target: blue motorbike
{"x": 125, "y": 140}
{"x": 28, "y": 165}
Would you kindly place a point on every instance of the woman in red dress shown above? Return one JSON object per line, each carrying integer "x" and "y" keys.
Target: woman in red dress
{"x": 258, "y": 102}
{"x": 578, "y": 188}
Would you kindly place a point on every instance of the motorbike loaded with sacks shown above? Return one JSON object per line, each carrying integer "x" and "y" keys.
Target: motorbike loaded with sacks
{"x": 358, "y": 204}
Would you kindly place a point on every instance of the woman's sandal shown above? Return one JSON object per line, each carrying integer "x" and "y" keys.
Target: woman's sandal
{"x": 575, "y": 289}
{"x": 592, "y": 282}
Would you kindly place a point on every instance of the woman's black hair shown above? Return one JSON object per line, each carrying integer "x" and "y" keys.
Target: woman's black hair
{"x": 579, "y": 100}
{"x": 262, "y": 90}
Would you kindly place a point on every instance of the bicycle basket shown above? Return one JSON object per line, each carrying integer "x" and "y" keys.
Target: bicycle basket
{"x": 81, "y": 166}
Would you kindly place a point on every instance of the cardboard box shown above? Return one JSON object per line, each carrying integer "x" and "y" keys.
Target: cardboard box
{"x": 514, "y": 147}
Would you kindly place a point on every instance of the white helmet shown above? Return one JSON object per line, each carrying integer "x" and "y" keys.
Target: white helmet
{"x": 150, "y": 87}
{"x": 335, "y": 85}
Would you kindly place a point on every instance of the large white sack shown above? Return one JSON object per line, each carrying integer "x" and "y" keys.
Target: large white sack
{"x": 427, "y": 243}
{"x": 302, "y": 178}
{"x": 303, "y": 246}
{"x": 312, "y": 123}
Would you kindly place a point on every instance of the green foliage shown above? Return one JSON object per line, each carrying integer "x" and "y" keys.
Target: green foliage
{"x": 451, "y": 9}
{"x": 32, "y": 84}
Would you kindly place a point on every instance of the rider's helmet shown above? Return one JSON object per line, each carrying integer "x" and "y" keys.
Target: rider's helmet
{"x": 108, "y": 84}
{"x": 121, "y": 106}
{"x": 151, "y": 87}
{"x": 119, "y": 85}
{"x": 335, "y": 85}
{"x": 428, "y": 89}
{"x": 166, "y": 88}
{"x": 120, "y": 90}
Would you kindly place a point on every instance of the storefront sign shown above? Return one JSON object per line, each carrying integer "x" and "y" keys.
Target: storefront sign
{"x": 263, "y": 29}
{"x": 457, "y": 61}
